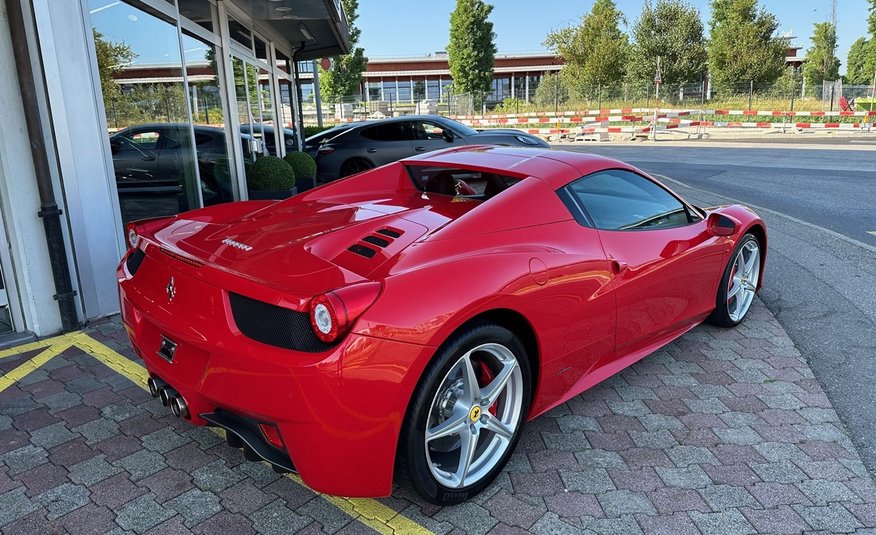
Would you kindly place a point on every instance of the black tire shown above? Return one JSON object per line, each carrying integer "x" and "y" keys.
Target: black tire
{"x": 412, "y": 469}
{"x": 354, "y": 166}
{"x": 721, "y": 315}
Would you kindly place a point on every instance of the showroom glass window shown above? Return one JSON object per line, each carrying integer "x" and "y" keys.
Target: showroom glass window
{"x": 621, "y": 200}
{"x": 208, "y": 116}
{"x": 155, "y": 166}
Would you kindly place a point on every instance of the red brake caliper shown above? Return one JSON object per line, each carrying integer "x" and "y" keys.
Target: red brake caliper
{"x": 485, "y": 375}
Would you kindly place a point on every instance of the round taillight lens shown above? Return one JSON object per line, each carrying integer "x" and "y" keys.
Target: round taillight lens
{"x": 332, "y": 314}
{"x": 324, "y": 319}
{"x": 133, "y": 238}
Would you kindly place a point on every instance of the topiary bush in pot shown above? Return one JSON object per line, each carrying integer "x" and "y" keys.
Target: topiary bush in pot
{"x": 271, "y": 178}
{"x": 304, "y": 167}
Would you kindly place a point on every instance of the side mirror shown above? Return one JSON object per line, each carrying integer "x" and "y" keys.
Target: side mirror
{"x": 448, "y": 135}
{"x": 721, "y": 225}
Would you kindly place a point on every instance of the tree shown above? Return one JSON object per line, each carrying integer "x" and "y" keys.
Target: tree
{"x": 471, "y": 50}
{"x": 111, "y": 58}
{"x": 821, "y": 61}
{"x": 345, "y": 76}
{"x": 551, "y": 91}
{"x": 855, "y": 63}
{"x": 743, "y": 47}
{"x": 672, "y": 31}
{"x": 870, "y": 58}
{"x": 594, "y": 51}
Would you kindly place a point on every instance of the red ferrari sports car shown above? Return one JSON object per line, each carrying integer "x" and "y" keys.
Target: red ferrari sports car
{"x": 403, "y": 324}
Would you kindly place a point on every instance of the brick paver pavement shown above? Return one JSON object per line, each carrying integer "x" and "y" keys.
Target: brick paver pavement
{"x": 723, "y": 431}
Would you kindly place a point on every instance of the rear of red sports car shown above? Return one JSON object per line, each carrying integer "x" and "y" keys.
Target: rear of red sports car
{"x": 328, "y": 331}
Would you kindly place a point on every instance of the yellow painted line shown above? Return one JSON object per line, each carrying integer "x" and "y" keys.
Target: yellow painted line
{"x": 22, "y": 370}
{"x": 372, "y": 513}
{"x": 17, "y": 350}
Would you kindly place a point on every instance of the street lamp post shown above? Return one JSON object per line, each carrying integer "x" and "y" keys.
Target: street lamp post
{"x": 658, "y": 79}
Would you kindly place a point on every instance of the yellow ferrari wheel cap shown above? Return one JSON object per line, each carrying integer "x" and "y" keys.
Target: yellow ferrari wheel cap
{"x": 475, "y": 413}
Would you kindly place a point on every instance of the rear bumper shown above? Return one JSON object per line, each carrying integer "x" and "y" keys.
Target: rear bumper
{"x": 339, "y": 412}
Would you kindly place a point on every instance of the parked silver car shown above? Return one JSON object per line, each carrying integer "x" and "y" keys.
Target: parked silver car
{"x": 352, "y": 148}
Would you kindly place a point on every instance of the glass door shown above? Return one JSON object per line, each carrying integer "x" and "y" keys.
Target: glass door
{"x": 255, "y": 111}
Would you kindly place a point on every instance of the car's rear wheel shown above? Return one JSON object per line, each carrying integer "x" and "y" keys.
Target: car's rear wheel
{"x": 355, "y": 165}
{"x": 739, "y": 283}
{"x": 466, "y": 415}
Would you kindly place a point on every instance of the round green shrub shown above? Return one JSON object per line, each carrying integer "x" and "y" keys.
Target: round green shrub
{"x": 302, "y": 163}
{"x": 270, "y": 173}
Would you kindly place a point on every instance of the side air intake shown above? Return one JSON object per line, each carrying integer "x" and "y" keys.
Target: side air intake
{"x": 361, "y": 250}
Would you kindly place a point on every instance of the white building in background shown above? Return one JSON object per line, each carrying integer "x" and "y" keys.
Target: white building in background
{"x": 172, "y": 136}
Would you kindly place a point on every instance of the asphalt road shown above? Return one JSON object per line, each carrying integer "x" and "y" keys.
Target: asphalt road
{"x": 818, "y": 202}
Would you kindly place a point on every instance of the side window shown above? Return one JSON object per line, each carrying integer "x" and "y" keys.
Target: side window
{"x": 145, "y": 140}
{"x": 387, "y": 132}
{"x": 426, "y": 130}
{"x": 203, "y": 140}
{"x": 620, "y": 200}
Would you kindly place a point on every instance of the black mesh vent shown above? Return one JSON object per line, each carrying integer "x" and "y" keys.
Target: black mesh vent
{"x": 134, "y": 260}
{"x": 380, "y": 242}
{"x": 389, "y": 232}
{"x": 361, "y": 250}
{"x": 275, "y": 326}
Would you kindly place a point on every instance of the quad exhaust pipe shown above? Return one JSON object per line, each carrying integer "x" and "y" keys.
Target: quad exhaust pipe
{"x": 169, "y": 397}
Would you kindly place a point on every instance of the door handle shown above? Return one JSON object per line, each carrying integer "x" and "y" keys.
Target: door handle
{"x": 419, "y": 149}
{"x": 372, "y": 151}
{"x": 617, "y": 266}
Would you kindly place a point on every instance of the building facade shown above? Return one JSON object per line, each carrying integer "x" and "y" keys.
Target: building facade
{"x": 121, "y": 151}
{"x": 412, "y": 79}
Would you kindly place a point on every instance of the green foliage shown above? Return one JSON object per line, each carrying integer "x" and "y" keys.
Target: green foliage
{"x": 870, "y": 59}
{"x": 856, "y": 62}
{"x": 742, "y": 45}
{"x": 303, "y": 164}
{"x": 551, "y": 91}
{"x": 821, "y": 61}
{"x": 595, "y": 51}
{"x": 111, "y": 58}
{"x": 471, "y": 49}
{"x": 671, "y": 30}
{"x": 312, "y": 130}
{"x": 270, "y": 173}
{"x": 345, "y": 76}
{"x": 787, "y": 83}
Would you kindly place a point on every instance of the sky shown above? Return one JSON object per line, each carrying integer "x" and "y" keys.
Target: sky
{"x": 406, "y": 28}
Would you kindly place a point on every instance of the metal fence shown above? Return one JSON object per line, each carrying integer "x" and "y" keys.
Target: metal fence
{"x": 787, "y": 94}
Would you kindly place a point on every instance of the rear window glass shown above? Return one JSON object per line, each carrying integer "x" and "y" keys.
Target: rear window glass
{"x": 460, "y": 182}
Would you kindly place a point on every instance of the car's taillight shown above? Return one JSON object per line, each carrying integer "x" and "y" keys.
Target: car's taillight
{"x": 132, "y": 237}
{"x": 332, "y": 314}
{"x": 135, "y": 229}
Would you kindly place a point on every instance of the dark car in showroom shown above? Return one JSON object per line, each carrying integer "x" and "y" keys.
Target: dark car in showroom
{"x": 351, "y": 148}
{"x": 152, "y": 164}
{"x": 265, "y": 132}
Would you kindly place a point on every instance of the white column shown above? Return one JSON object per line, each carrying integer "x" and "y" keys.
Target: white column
{"x": 412, "y": 89}
{"x": 513, "y": 95}
{"x": 527, "y": 86}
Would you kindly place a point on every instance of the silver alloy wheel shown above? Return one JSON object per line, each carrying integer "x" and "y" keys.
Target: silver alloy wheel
{"x": 470, "y": 427}
{"x": 743, "y": 280}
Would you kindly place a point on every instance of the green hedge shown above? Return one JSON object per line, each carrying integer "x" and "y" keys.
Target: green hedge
{"x": 270, "y": 173}
{"x": 302, "y": 164}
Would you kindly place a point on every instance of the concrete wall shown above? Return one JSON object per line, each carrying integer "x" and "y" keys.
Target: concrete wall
{"x": 83, "y": 153}
{"x": 28, "y": 258}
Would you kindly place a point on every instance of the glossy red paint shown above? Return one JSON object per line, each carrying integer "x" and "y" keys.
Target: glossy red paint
{"x": 593, "y": 301}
